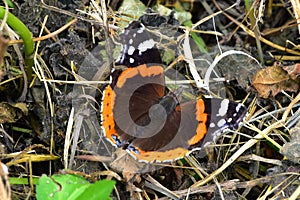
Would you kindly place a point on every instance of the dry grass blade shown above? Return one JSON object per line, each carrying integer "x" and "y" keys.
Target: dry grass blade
{"x": 109, "y": 174}
{"x": 189, "y": 59}
{"x": 296, "y": 8}
{"x": 68, "y": 138}
{"x": 232, "y": 185}
{"x": 76, "y": 132}
{"x": 260, "y": 159}
{"x": 296, "y": 194}
{"x": 276, "y": 189}
{"x": 26, "y": 155}
{"x": 50, "y": 35}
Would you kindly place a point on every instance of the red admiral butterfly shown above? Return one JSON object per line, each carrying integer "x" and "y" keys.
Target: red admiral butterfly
{"x": 140, "y": 115}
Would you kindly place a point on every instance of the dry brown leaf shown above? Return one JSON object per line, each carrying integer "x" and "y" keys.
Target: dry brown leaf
{"x": 123, "y": 162}
{"x": 293, "y": 70}
{"x": 271, "y": 80}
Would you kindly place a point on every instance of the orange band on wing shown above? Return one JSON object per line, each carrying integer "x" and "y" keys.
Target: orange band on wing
{"x": 108, "y": 124}
{"x": 143, "y": 70}
{"x": 157, "y": 156}
{"x": 202, "y": 119}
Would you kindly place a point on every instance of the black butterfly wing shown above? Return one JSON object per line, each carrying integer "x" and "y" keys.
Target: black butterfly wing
{"x": 190, "y": 126}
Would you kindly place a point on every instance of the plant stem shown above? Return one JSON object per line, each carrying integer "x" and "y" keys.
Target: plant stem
{"x": 25, "y": 35}
{"x": 254, "y": 27}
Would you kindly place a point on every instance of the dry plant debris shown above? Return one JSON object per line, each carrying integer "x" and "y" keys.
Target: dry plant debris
{"x": 75, "y": 42}
{"x": 270, "y": 81}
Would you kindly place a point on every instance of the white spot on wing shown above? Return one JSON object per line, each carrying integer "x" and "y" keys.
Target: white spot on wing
{"x": 147, "y": 44}
{"x": 238, "y": 107}
{"x": 223, "y": 107}
{"x": 130, "y": 41}
{"x": 131, "y": 60}
{"x": 130, "y": 50}
{"x": 212, "y": 125}
{"x": 221, "y": 122}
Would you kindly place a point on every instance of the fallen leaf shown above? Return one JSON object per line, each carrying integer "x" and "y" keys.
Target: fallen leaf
{"x": 293, "y": 70}
{"x": 271, "y": 80}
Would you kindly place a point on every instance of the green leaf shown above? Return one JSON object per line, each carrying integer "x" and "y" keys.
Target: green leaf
{"x": 60, "y": 187}
{"x": 46, "y": 188}
{"x": 99, "y": 190}
{"x": 72, "y": 187}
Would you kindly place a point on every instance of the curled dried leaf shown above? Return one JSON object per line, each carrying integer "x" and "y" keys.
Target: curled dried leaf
{"x": 271, "y": 80}
{"x": 293, "y": 70}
